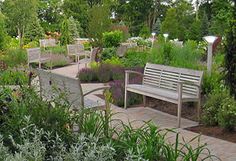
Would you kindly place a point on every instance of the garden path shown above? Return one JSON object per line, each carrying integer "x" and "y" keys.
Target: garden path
{"x": 223, "y": 149}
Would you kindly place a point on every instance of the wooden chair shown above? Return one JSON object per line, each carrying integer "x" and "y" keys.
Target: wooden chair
{"x": 52, "y": 85}
{"x": 34, "y": 56}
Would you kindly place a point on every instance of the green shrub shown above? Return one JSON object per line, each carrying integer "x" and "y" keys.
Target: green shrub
{"x": 108, "y": 53}
{"x": 187, "y": 56}
{"x": 14, "y": 57}
{"x": 227, "y": 114}
{"x": 145, "y": 32}
{"x": 211, "y": 82}
{"x": 135, "y": 59}
{"x": 112, "y": 39}
{"x": 212, "y": 107}
{"x": 13, "y": 77}
{"x": 113, "y": 61}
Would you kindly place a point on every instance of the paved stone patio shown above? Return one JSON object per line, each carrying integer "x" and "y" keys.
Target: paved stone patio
{"x": 225, "y": 150}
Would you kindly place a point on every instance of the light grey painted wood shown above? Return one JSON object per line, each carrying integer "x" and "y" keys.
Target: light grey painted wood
{"x": 34, "y": 56}
{"x": 47, "y": 43}
{"x": 53, "y": 85}
{"x": 167, "y": 83}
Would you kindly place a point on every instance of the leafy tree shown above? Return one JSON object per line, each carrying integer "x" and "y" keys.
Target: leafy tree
{"x": 20, "y": 14}
{"x": 171, "y": 25}
{"x": 50, "y": 14}
{"x": 178, "y": 19}
{"x": 65, "y": 33}
{"x": 221, "y": 12}
{"x": 230, "y": 57}
{"x": 194, "y": 32}
{"x": 78, "y": 9}
{"x": 3, "y": 33}
{"x": 99, "y": 22}
{"x": 34, "y": 30}
{"x": 72, "y": 27}
{"x": 204, "y": 25}
{"x": 157, "y": 26}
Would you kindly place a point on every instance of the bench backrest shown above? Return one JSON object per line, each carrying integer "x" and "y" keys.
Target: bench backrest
{"x": 52, "y": 85}
{"x": 75, "y": 49}
{"x": 72, "y": 49}
{"x": 168, "y": 77}
{"x": 33, "y": 54}
{"x": 47, "y": 42}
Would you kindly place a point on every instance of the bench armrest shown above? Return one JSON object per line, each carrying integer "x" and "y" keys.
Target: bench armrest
{"x": 97, "y": 89}
{"x": 134, "y": 72}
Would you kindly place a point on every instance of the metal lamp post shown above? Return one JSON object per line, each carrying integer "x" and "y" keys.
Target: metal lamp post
{"x": 165, "y": 36}
{"x": 153, "y": 38}
{"x": 210, "y": 40}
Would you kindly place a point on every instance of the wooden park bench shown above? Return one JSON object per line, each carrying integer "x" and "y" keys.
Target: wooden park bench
{"x": 171, "y": 84}
{"x": 52, "y": 85}
{"x": 77, "y": 50}
{"x": 34, "y": 56}
{"x": 47, "y": 43}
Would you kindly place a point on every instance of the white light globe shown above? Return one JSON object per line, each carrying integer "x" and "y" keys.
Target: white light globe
{"x": 165, "y": 35}
{"x": 210, "y": 39}
{"x": 153, "y": 34}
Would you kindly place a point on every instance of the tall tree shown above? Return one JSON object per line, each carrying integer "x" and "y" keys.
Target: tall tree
{"x": 99, "y": 22}
{"x": 78, "y": 9}
{"x": 34, "y": 30}
{"x": 20, "y": 14}
{"x": 50, "y": 14}
{"x": 221, "y": 12}
{"x": 178, "y": 19}
{"x": 230, "y": 57}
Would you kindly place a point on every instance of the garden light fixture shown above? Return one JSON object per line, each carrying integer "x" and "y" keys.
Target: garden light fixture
{"x": 153, "y": 38}
{"x": 165, "y": 36}
{"x": 210, "y": 40}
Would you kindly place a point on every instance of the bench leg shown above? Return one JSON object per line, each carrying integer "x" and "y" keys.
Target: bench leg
{"x": 144, "y": 101}
{"x": 179, "y": 112}
{"x": 198, "y": 110}
{"x": 125, "y": 100}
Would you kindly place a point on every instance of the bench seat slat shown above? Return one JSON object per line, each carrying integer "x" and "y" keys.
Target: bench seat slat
{"x": 159, "y": 92}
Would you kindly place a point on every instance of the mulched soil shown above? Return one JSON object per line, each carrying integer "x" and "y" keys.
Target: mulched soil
{"x": 214, "y": 131}
{"x": 189, "y": 110}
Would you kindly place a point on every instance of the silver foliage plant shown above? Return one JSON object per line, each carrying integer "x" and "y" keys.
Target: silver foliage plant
{"x": 86, "y": 148}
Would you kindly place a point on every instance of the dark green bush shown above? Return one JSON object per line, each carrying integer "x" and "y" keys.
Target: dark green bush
{"x": 108, "y": 53}
{"x": 211, "y": 82}
{"x": 112, "y": 39}
{"x": 227, "y": 114}
{"x": 212, "y": 107}
{"x": 135, "y": 59}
